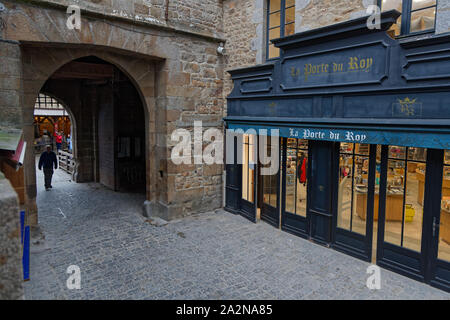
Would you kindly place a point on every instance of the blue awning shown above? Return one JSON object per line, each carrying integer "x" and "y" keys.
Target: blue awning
{"x": 399, "y": 136}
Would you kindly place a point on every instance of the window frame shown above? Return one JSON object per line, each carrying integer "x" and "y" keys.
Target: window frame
{"x": 282, "y": 25}
{"x": 406, "y": 19}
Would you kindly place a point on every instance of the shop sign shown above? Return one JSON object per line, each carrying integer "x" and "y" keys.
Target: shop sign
{"x": 341, "y": 66}
{"x": 364, "y": 136}
{"x": 329, "y": 135}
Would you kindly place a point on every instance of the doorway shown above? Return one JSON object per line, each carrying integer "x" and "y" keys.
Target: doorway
{"x": 294, "y": 218}
{"x": 269, "y": 183}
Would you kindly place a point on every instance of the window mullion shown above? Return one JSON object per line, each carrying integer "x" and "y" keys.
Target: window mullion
{"x": 283, "y": 18}
{"x": 406, "y": 17}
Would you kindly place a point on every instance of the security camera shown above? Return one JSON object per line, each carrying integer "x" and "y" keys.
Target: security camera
{"x": 221, "y": 50}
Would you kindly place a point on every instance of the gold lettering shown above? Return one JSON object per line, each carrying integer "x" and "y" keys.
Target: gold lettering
{"x": 362, "y": 63}
{"x": 369, "y": 63}
{"x": 353, "y": 63}
{"x": 307, "y": 71}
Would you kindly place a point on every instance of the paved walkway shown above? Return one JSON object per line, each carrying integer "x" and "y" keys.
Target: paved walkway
{"x": 209, "y": 256}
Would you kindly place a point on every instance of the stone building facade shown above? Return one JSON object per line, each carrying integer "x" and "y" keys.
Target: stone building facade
{"x": 168, "y": 50}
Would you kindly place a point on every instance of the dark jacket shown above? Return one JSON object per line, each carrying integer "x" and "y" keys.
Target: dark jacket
{"x": 47, "y": 160}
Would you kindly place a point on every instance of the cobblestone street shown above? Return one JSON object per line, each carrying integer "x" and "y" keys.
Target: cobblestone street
{"x": 211, "y": 256}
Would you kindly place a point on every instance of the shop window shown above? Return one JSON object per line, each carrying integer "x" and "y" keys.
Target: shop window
{"x": 404, "y": 196}
{"x": 444, "y": 230}
{"x": 417, "y": 15}
{"x": 248, "y": 168}
{"x": 296, "y": 176}
{"x": 353, "y": 187}
{"x": 270, "y": 182}
{"x": 280, "y": 23}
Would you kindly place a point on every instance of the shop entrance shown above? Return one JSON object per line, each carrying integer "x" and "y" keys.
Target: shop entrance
{"x": 307, "y": 191}
{"x": 295, "y": 187}
{"x": 269, "y": 185}
{"x": 356, "y": 199}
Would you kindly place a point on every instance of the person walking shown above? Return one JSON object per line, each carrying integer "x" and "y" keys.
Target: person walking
{"x": 47, "y": 161}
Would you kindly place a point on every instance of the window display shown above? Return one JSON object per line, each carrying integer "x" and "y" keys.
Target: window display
{"x": 270, "y": 183}
{"x": 296, "y": 176}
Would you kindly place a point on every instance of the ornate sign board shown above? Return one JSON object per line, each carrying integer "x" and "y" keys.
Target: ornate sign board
{"x": 349, "y": 65}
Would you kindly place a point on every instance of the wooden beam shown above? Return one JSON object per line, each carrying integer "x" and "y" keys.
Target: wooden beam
{"x": 84, "y": 70}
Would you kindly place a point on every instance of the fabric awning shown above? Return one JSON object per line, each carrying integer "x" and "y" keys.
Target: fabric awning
{"x": 12, "y": 145}
{"x": 399, "y": 136}
{"x": 19, "y": 154}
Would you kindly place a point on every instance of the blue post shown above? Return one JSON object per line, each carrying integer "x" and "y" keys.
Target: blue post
{"x": 26, "y": 255}
{"x": 22, "y": 225}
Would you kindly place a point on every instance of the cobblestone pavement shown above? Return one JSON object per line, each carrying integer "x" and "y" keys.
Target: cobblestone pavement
{"x": 210, "y": 256}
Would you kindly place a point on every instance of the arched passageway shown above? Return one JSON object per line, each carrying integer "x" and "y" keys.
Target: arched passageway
{"x": 109, "y": 140}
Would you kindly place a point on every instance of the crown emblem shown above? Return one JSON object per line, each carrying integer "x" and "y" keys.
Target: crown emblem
{"x": 407, "y": 101}
{"x": 407, "y": 106}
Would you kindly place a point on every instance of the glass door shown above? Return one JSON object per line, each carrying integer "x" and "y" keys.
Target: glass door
{"x": 440, "y": 230}
{"x": 295, "y": 187}
{"x": 248, "y": 202}
{"x": 270, "y": 183}
{"x": 355, "y": 200}
{"x": 404, "y": 185}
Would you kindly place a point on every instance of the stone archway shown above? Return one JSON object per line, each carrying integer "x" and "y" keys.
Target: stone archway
{"x": 40, "y": 62}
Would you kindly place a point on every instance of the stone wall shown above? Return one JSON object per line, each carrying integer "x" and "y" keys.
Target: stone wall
{"x": 443, "y": 16}
{"x": 311, "y": 14}
{"x": 244, "y": 28}
{"x": 204, "y": 16}
{"x": 11, "y": 276}
{"x": 10, "y": 77}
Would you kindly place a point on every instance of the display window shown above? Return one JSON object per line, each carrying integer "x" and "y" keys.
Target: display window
{"x": 405, "y": 196}
{"x": 270, "y": 182}
{"x": 444, "y": 231}
{"x": 296, "y": 176}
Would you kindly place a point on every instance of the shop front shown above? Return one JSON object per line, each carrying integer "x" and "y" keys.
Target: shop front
{"x": 360, "y": 125}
